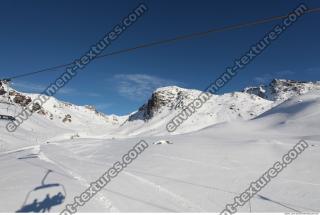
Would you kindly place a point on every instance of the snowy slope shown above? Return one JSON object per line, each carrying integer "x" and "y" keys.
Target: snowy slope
{"x": 200, "y": 172}
{"x": 151, "y": 118}
{"x": 58, "y": 111}
{"x": 54, "y": 120}
{"x": 299, "y": 115}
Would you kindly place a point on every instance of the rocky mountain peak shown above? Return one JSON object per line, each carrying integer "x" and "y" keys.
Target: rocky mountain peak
{"x": 170, "y": 98}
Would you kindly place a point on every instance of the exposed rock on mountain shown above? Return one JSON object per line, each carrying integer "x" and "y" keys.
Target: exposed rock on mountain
{"x": 165, "y": 104}
{"x": 55, "y": 110}
{"x": 20, "y": 99}
{"x": 161, "y": 98}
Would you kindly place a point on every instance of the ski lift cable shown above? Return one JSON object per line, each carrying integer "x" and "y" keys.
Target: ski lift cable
{"x": 170, "y": 40}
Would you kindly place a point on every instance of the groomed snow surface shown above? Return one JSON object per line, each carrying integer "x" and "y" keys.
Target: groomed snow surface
{"x": 200, "y": 171}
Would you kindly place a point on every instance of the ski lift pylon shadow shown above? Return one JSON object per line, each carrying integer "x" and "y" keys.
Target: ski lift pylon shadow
{"x": 42, "y": 193}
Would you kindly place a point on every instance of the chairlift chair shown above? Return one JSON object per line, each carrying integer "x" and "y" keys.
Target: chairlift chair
{"x": 7, "y": 107}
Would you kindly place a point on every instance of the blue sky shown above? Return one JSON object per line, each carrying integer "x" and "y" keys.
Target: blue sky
{"x": 36, "y": 34}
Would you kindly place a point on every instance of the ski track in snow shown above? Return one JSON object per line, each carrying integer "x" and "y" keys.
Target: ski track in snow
{"x": 175, "y": 197}
{"x": 183, "y": 202}
{"x": 187, "y": 204}
{"x": 101, "y": 196}
{"x": 191, "y": 161}
{"x": 83, "y": 182}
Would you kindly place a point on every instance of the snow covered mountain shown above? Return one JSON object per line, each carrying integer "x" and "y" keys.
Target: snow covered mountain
{"x": 164, "y": 104}
{"x": 54, "y": 120}
{"x": 279, "y": 90}
{"x": 200, "y": 171}
{"x": 59, "y": 111}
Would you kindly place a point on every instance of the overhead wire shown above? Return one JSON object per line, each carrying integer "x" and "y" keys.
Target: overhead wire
{"x": 170, "y": 40}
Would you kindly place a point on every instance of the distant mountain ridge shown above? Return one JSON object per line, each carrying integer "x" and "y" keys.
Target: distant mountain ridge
{"x": 280, "y": 90}
{"x": 173, "y": 98}
{"x": 163, "y": 105}
{"x": 57, "y": 111}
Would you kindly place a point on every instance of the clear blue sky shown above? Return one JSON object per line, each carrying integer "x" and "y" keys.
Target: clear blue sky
{"x": 36, "y": 34}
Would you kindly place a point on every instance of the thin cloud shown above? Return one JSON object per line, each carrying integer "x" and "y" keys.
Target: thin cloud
{"x": 264, "y": 79}
{"x": 38, "y": 88}
{"x": 313, "y": 70}
{"x": 284, "y": 73}
{"x": 139, "y": 86}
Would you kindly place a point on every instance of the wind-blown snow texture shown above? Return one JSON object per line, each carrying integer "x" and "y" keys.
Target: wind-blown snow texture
{"x": 214, "y": 156}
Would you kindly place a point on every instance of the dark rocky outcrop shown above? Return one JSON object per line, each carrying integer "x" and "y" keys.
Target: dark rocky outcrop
{"x": 167, "y": 97}
{"x": 21, "y": 99}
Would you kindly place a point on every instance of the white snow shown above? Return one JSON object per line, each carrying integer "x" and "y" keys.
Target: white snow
{"x": 201, "y": 172}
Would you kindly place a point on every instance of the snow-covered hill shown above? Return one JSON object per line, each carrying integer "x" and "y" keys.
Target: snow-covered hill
{"x": 200, "y": 171}
{"x": 151, "y": 118}
{"x": 59, "y": 111}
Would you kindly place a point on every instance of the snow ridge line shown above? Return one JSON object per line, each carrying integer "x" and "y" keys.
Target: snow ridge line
{"x": 83, "y": 182}
{"x": 175, "y": 197}
{"x": 102, "y": 198}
